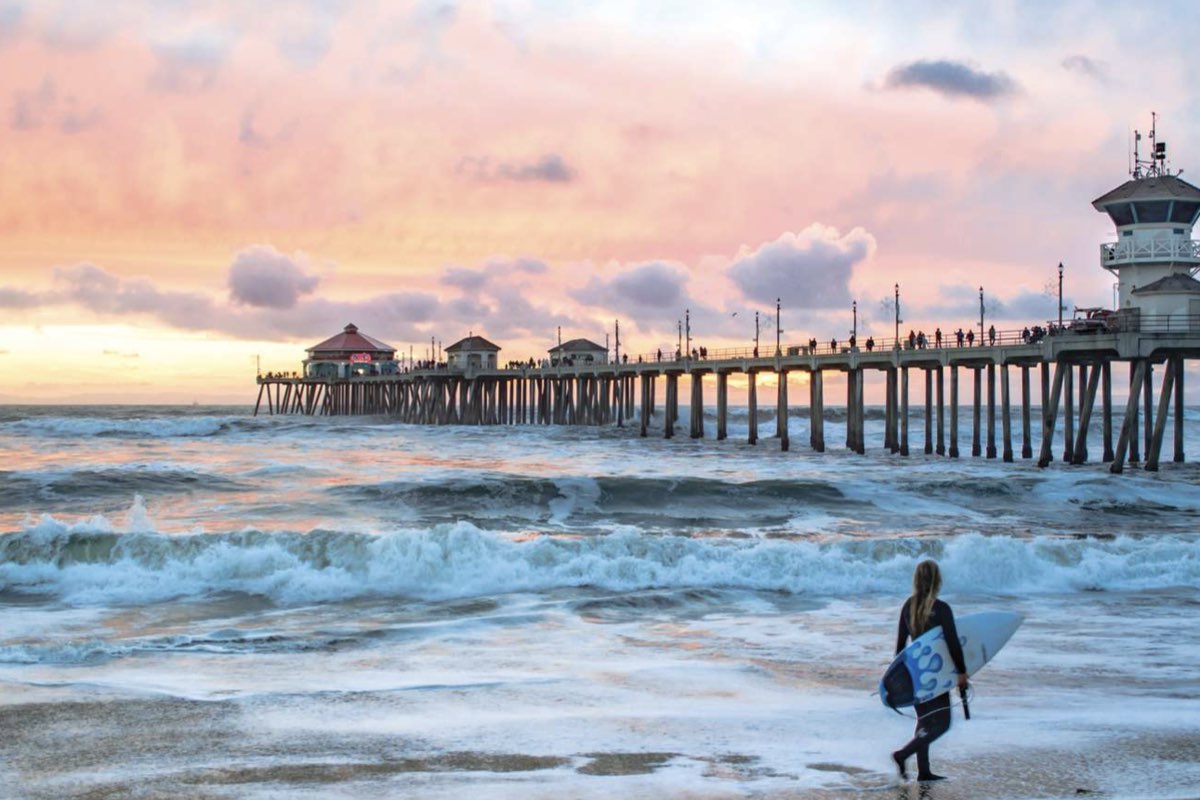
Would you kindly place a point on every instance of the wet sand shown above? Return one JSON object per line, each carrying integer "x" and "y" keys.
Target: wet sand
{"x": 119, "y": 747}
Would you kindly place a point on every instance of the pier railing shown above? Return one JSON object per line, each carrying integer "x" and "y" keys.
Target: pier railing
{"x": 1152, "y": 250}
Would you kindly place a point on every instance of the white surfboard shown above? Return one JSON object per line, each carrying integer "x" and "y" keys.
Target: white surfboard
{"x": 924, "y": 669}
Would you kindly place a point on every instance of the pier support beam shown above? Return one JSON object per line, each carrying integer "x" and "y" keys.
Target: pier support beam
{"x": 1044, "y": 384}
{"x": 752, "y": 408}
{"x": 941, "y": 416}
{"x": 1050, "y": 411}
{"x": 855, "y": 439}
{"x": 1148, "y": 405}
{"x": 781, "y": 412}
{"x": 642, "y": 422}
{"x": 1137, "y": 374}
{"x": 953, "y": 411}
{"x": 991, "y": 410}
{"x": 977, "y": 402}
{"x": 816, "y": 411}
{"x": 889, "y": 412}
{"x": 904, "y": 411}
{"x": 1160, "y": 422}
{"x": 696, "y": 414}
{"x": 928, "y": 412}
{"x": 672, "y": 411}
{"x": 1088, "y": 384}
{"x": 1134, "y": 435}
{"x": 1005, "y": 415}
{"x": 722, "y": 404}
{"x": 1106, "y": 409}
{"x": 1178, "y": 361}
{"x": 1068, "y": 403}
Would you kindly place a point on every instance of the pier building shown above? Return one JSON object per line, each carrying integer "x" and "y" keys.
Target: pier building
{"x": 349, "y": 354}
{"x": 472, "y": 353}
{"x": 578, "y": 351}
{"x": 1153, "y": 331}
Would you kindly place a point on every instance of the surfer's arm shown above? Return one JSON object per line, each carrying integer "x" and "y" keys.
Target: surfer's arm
{"x": 952, "y": 642}
{"x": 902, "y": 631}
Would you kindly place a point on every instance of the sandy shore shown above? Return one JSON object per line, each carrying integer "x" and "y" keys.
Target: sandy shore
{"x": 117, "y": 747}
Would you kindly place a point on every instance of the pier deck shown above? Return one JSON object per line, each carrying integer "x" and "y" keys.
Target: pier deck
{"x": 604, "y": 394}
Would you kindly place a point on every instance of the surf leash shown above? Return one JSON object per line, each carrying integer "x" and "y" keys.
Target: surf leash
{"x": 964, "y": 695}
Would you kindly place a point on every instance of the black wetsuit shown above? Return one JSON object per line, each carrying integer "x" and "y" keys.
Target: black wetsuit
{"x": 933, "y": 718}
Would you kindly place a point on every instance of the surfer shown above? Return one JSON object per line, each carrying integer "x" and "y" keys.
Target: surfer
{"x": 921, "y": 612}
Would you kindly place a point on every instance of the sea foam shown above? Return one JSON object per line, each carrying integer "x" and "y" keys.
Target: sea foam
{"x": 95, "y": 561}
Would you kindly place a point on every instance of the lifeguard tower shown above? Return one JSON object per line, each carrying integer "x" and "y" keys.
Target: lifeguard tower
{"x": 1154, "y": 256}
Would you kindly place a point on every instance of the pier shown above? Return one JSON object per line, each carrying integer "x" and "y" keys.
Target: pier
{"x": 1150, "y": 335}
{"x": 1150, "y": 350}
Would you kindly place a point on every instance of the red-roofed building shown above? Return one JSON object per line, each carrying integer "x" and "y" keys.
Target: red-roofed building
{"x": 350, "y": 353}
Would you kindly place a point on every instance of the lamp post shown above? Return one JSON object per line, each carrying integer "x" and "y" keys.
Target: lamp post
{"x": 679, "y": 344}
{"x": 756, "y": 334}
{"x": 1060, "y": 305}
{"x": 687, "y": 321}
{"x": 897, "y": 316}
{"x": 617, "y": 337}
{"x": 981, "y": 316}
{"x": 778, "y": 352}
{"x": 854, "y": 327}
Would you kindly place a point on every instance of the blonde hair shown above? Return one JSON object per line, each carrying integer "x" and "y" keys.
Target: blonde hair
{"x": 927, "y": 581}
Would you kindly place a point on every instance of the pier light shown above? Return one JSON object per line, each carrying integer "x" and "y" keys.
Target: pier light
{"x": 778, "y": 330}
{"x": 898, "y": 320}
{"x": 687, "y": 317}
{"x": 1060, "y": 307}
{"x": 981, "y": 316}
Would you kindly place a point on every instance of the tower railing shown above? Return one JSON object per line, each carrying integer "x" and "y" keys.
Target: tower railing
{"x": 1133, "y": 250}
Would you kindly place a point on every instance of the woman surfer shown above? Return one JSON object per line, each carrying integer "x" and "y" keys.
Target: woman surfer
{"x": 920, "y": 613}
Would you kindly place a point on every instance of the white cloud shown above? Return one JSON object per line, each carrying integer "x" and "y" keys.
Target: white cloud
{"x": 806, "y": 270}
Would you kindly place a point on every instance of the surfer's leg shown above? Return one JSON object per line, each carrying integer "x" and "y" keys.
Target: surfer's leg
{"x": 933, "y": 719}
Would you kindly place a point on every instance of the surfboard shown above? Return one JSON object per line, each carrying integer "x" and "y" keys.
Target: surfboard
{"x": 924, "y": 669}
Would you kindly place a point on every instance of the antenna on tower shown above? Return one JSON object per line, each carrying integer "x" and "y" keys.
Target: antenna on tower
{"x": 1156, "y": 165}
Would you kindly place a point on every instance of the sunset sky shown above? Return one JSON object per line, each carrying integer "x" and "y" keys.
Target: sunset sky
{"x": 185, "y": 186}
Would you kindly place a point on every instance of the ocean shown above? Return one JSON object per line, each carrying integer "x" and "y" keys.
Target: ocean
{"x": 195, "y": 602}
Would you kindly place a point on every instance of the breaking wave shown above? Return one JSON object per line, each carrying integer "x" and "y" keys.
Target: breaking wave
{"x": 92, "y": 563}
{"x": 621, "y": 499}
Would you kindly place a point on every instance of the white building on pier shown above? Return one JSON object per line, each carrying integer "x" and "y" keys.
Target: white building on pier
{"x": 1154, "y": 256}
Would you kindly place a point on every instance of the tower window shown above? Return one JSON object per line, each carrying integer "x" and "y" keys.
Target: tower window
{"x": 1152, "y": 211}
{"x": 1184, "y": 212}
{"x": 1121, "y": 214}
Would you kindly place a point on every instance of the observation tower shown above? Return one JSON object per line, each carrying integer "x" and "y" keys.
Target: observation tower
{"x": 1154, "y": 256}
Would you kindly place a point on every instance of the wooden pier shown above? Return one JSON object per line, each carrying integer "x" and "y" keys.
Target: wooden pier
{"x": 628, "y": 393}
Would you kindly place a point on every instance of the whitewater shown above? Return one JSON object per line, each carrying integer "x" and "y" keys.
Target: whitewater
{"x": 198, "y": 602}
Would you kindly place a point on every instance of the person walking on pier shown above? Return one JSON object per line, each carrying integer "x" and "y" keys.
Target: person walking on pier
{"x": 959, "y": 336}
{"x": 971, "y": 338}
{"x": 922, "y": 612}
{"x": 937, "y": 338}
{"x": 992, "y": 334}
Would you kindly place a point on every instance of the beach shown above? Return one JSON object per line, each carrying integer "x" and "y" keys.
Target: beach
{"x": 198, "y": 603}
